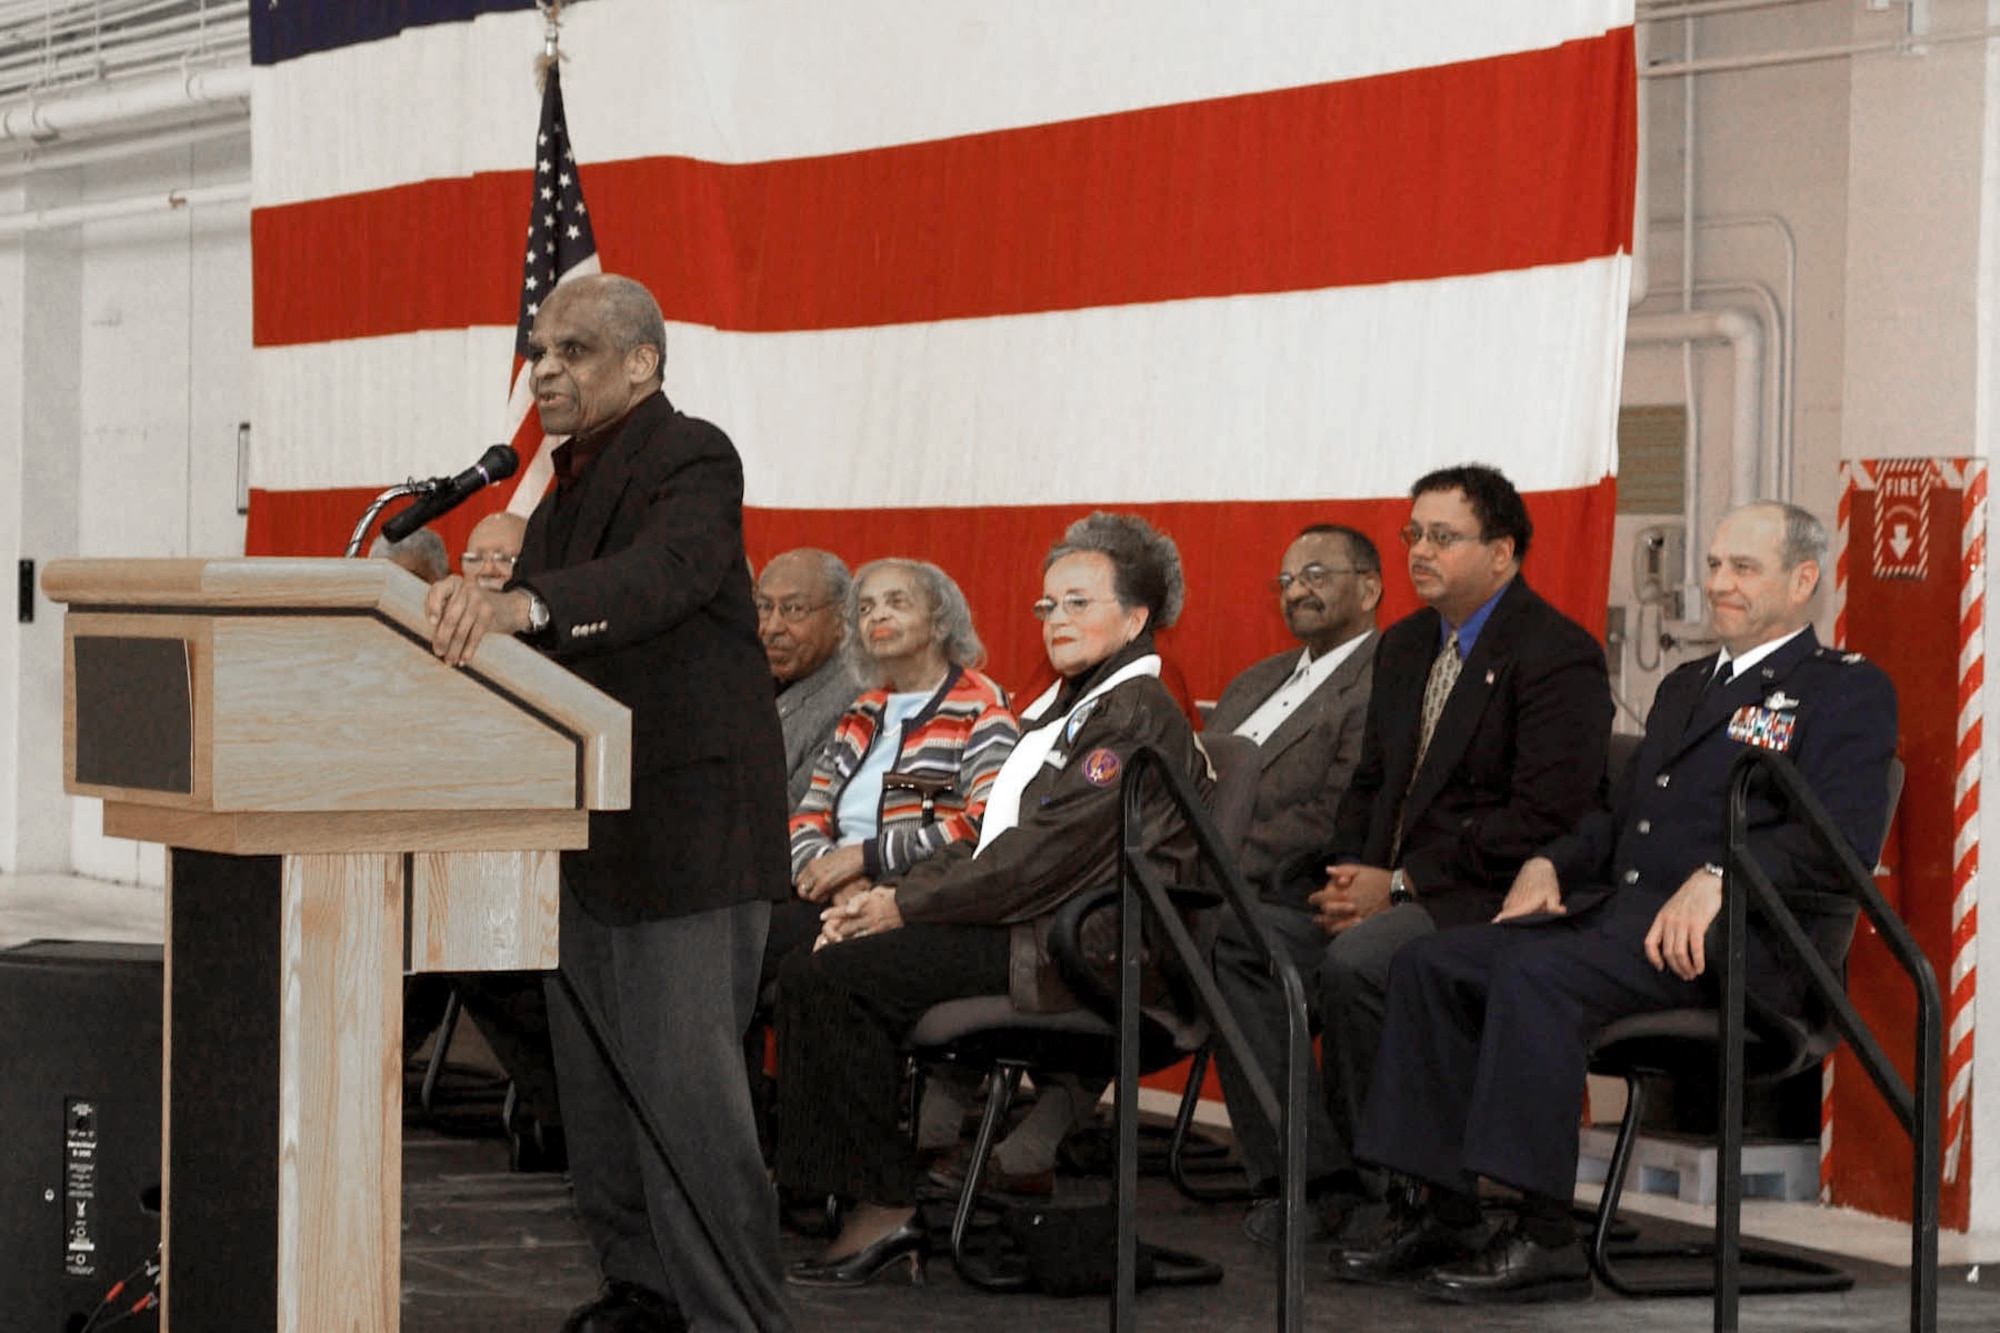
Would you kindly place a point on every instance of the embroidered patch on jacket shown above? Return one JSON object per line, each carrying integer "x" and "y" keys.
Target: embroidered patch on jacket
{"x": 1100, "y": 768}
{"x": 1765, "y": 728}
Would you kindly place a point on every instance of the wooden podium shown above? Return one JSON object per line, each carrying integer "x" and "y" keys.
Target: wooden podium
{"x": 341, "y": 809}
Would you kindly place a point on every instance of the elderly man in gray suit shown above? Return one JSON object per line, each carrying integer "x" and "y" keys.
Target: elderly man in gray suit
{"x": 1305, "y": 711}
{"x": 801, "y": 619}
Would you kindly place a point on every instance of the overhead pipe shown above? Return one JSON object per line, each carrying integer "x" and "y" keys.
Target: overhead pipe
{"x": 62, "y": 157}
{"x": 1908, "y": 45}
{"x": 40, "y": 121}
{"x": 174, "y": 201}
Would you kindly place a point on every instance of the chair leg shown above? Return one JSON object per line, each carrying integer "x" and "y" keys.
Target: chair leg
{"x": 1177, "y": 1169}
{"x": 1614, "y": 1185}
{"x": 1777, "y": 1274}
{"x": 1002, "y": 1084}
{"x": 440, "y": 1047}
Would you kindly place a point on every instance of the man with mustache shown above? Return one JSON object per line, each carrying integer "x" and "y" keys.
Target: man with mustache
{"x": 801, "y": 602}
{"x": 1304, "y": 710}
{"x": 1485, "y": 738}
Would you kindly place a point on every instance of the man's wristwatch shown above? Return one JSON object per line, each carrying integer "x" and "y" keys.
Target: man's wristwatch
{"x": 1713, "y": 869}
{"x": 538, "y": 612}
{"x": 1399, "y": 888}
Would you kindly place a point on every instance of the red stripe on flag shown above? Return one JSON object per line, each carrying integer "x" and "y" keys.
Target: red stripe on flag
{"x": 1342, "y": 184}
{"x": 1230, "y": 552}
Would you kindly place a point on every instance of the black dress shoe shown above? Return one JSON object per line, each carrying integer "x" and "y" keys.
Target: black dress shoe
{"x": 909, "y": 1243}
{"x": 626, "y": 1307}
{"x": 1265, "y": 1222}
{"x": 1410, "y": 1242}
{"x": 1513, "y": 1269}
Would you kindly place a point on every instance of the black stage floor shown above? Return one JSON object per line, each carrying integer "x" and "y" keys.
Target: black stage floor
{"x": 486, "y": 1251}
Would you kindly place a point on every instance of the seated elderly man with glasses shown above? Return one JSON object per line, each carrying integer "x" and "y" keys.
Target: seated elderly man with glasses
{"x": 492, "y": 548}
{"x": 1487, "y": 723}
{"x": 1304, "y": 709}
{"x": 800, "y": 599}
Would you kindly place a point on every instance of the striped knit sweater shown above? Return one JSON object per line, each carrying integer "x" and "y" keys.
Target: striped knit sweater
{"x": 961, "y": 736}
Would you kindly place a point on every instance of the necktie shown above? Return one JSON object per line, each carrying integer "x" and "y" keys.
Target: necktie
{"x": 1437, "y": 689}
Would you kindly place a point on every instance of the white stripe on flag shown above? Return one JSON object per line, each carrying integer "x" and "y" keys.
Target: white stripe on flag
{"x": 1348, "y": 392}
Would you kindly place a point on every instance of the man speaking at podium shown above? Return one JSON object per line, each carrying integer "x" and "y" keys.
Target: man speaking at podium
{"x": 632, "y": 574}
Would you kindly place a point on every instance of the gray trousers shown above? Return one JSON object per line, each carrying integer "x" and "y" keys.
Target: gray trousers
{"x": 677, "y": 996}
{"x": 1346, "y": 982}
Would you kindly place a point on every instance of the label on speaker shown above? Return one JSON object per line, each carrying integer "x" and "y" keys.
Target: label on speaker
{"x": 80, "y": 1158}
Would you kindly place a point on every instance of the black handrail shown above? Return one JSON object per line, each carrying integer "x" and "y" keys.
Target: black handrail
{"x": 1916, "y": 1109}
{"x": 1138, "y": 883}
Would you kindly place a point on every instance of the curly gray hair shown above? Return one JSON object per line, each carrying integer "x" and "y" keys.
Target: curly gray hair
{"x": 951, "y": 617}
{"x": 1145, "y": 563}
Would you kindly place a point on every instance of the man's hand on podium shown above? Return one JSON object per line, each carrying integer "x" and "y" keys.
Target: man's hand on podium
{"x": 462, "y": 613}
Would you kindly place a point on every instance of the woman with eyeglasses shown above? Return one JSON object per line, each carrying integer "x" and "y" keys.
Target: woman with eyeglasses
{"x": 973, "y": 919}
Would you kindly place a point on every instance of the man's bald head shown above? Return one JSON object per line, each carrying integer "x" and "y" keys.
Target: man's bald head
{"x": 492, "y": 549}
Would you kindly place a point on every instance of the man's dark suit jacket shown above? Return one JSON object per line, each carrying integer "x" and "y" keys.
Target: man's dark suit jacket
{"x": 1303, "y": 765}
{"x": 1517, "y": 758}
{"x": 649, "y": 600}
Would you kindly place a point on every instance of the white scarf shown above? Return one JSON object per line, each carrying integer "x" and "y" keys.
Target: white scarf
{"x": 1003, "y": 804}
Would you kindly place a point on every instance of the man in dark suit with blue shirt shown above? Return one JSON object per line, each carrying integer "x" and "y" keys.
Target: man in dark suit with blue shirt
{"x": 632, "y": 574}
{"x": 1489, "y": 1027}
{"x": 1487, "y": 724}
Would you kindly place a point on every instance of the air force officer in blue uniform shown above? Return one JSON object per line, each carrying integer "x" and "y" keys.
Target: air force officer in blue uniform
{"x": 1489, "y": 1026}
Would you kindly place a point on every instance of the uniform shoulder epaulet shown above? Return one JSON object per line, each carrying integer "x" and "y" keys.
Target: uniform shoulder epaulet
{"x": 1843, "y": 657}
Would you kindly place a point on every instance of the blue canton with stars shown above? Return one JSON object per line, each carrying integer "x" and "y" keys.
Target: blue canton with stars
{"x": 559, "y": 235}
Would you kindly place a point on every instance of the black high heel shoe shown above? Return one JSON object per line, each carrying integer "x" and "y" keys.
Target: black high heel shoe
{"x": 911, "y": 1241}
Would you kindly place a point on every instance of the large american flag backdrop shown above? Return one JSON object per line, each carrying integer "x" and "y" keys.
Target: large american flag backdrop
{"x": 951, "y": 274}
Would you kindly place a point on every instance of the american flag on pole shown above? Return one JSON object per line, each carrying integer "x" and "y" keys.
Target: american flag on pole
{"x": 560, "y": 245}
{"x": 952, "y": 274}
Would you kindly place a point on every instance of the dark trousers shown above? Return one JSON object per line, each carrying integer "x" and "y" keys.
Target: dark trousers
{"x": 1346, "y": 979}
{"x": 676, "y": 996}
{"x": 843, "y": 1013}
{"x": 1488, "y": 1034}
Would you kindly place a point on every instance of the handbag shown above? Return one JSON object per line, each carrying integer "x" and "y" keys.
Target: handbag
{"x": 1072, "y": 1250}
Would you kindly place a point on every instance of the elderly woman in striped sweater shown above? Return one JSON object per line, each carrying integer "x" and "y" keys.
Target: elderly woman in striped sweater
{"x": 910, "y": 763}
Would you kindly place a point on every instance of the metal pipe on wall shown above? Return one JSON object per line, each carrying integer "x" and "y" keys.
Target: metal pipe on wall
{"x": 45, "y": 219}
{"x": 1744, "y": 334}
{"x": 40, "y": 121}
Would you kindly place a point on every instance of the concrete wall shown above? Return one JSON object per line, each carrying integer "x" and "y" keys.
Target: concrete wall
{"x": 124, "y": 371}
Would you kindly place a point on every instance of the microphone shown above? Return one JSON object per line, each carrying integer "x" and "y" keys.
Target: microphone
{"x": 444, "y": 494}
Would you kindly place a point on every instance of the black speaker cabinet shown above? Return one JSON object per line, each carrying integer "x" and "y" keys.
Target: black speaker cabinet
{"x": 79, "y": 1127}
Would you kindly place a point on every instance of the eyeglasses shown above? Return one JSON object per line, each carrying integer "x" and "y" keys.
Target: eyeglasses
{"x": 1314, "y": 576}
{"x": 1437, "y": 534}
{"x": 791, "y": 611}
{"x": 1073, "y": 605}
{"x": 473, "y": 559}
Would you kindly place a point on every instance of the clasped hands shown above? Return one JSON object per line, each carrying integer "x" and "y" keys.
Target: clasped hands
{"x": 866, "y": 911}
{"x": 1352, "y": 894}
